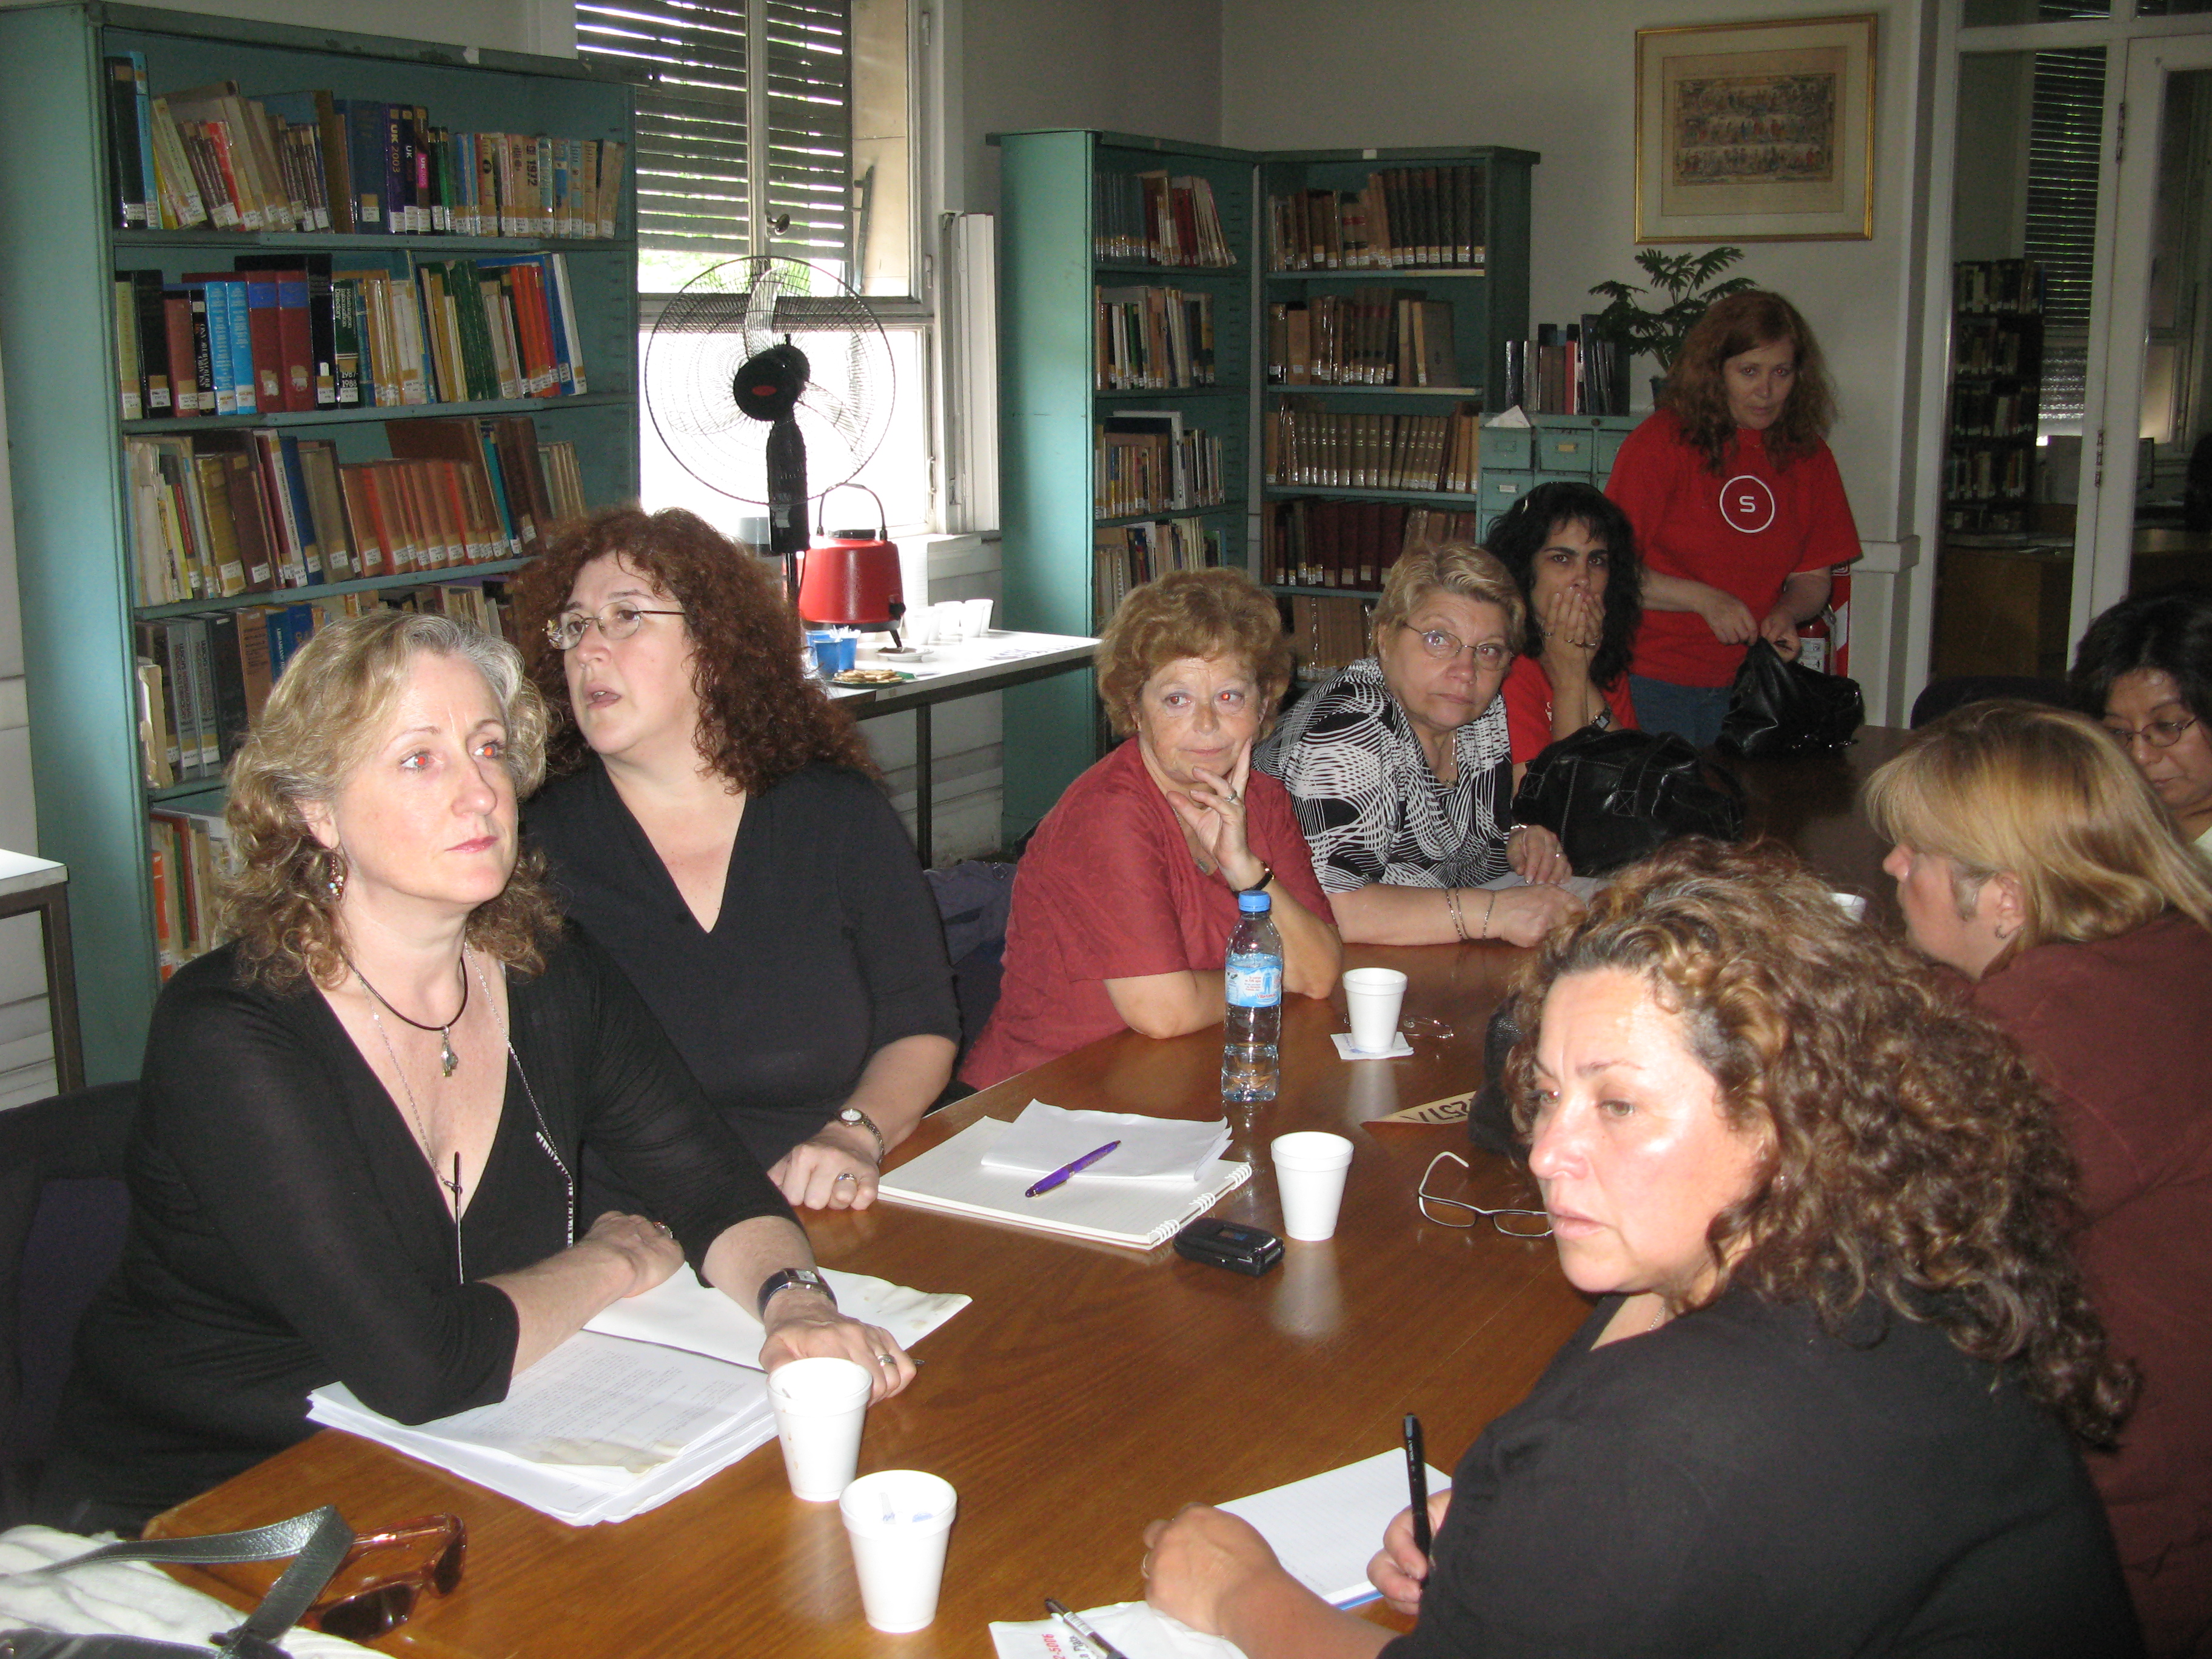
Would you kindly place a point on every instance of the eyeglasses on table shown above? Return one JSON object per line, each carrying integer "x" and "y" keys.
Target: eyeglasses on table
{"x": 370, "y": 1605}
{"x": 1513, "y": 1224}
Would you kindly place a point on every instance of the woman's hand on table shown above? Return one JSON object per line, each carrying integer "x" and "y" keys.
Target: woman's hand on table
{"x": 1779, "y": 630}
{"x": 834, "y": 1169}
{"x": 646, "y": 1247}
{"x": 1522, "y": 915}
{"x": 803, "y": 1325}
{"x": 1534, "y": 853}
{"x": 1398, "y": 1570}
{"x": 1199, "y": 1561}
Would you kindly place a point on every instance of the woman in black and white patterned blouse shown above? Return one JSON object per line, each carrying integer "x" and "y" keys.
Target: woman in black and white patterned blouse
{"x": 1402, "y": 773}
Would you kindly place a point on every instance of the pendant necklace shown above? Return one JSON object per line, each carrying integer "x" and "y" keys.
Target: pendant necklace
{"x": 415, "y": 1111}
{"x": 446, "y": 1058}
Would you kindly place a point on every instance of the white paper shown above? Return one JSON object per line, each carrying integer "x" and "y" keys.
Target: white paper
{"x": 1398, "y": 1046}
{"x": 1326, "y": 1527}
{"x": 680, "y": 1312}
{"x": 1044, "y": 1138}
{"x": 1135, "y": 1627}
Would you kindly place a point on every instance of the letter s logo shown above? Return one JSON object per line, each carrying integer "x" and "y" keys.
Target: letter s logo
{"x": 1748, "y": 504}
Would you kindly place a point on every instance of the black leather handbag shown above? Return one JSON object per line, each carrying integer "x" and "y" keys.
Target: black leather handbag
{"x": 1614, "y": 797}
{"x": 1778, "y": 708}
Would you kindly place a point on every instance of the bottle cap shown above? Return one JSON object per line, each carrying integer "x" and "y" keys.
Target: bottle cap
{"x": 1254, "y": 904}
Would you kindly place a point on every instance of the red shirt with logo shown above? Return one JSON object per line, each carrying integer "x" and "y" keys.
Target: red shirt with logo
{"x": 1746, "y": 531}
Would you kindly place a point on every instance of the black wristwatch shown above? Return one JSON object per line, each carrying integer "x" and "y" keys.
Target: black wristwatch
{"x": 786, "y": 1279}
{"x": 1267, "y": 875}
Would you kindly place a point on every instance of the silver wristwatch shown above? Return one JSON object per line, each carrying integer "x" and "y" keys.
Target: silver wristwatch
{"x": 786, "y": 1279}
{"x": 858, "y": 1118}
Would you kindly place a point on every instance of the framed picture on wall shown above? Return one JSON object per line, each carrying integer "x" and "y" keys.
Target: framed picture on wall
{"x": 1756, "y": 132}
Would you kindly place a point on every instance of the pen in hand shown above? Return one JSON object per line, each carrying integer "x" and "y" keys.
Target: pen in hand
{"x": 1417, "y": 1482}
{"x": 1081, "y": 1626}
{"x": 1059, "y": 1177}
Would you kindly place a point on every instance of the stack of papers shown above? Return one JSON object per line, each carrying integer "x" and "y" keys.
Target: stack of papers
{"x": 1044, "y": 1138}
{"x": 656, "y": 1394}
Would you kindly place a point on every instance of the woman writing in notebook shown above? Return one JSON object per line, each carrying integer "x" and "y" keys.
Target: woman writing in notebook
{"x": 359, "y": 1121}
{"x": 1830, "y": 1397}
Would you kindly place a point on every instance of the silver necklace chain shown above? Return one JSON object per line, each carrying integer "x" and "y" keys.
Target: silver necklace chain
{"x": 544, "y": 1135}
{"x": 415, "y": 1111}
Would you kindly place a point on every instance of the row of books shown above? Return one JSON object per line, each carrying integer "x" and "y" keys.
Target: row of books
{"x": 202, "y": 680}
{"x": 289, "y": 333}
{"x": 1326, "y": 634}
{"x": 1983, "y": 414}
{"x": 1402, "y": 217}
{"x": 1322, "y": 448}
{"x": 1150, "y": 339}
{"x": 253, "y": 511}
{"x": 1989, "y": 475}
{"x": 1332, "y": 543}
{"x": 1129, "y": 555}
{"x": 187, "y": 852}
{"x": 2014, "y": 285}
{"x": 1393, "y": 336}
{"x": 1567, "y": 370}
{"x": 1140, "y": 218}
{"x": 1146, "y": 462}
{"x": 310, "y": 162}
{"x": 1995, "y": 348}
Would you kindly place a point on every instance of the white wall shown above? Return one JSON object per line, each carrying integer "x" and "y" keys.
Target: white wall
{"x": 1559, "y": 78}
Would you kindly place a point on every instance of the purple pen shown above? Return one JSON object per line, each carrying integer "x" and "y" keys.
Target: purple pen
{"x": 1059, "y": 1177}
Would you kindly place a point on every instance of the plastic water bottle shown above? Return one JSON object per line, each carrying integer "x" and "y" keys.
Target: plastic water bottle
{"x": 1254, "y": 982}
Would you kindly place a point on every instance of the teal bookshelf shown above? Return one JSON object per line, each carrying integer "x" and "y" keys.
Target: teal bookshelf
{"x": 73, "y": 544}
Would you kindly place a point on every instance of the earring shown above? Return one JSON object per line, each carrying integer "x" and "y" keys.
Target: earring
{"x": 334, "y": 874}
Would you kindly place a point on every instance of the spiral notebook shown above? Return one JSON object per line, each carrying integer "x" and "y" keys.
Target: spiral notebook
{"x": 952, "y": 1177}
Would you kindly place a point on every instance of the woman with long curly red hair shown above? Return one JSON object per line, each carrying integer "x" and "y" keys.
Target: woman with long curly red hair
{"x": 1739, "y": 510}
{"x": 717, "y": 826}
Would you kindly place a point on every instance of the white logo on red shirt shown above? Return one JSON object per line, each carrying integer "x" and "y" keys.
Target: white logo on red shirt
{"x": 1747, "y": 503}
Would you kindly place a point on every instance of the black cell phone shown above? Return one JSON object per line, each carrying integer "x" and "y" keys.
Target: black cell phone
{"x": 1230, "y": 1244}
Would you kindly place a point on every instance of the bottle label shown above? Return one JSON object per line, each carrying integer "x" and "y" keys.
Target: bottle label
{"x": 1254, "y": 981}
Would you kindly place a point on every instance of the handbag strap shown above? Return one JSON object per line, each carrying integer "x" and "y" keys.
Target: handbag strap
{"x": 317, "y": 1541}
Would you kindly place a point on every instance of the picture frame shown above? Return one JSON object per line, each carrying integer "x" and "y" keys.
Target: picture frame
{"x": 1756, "y": 131}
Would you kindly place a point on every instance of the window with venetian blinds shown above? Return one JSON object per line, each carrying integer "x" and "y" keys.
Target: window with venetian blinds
{"x": 744, "y": 137}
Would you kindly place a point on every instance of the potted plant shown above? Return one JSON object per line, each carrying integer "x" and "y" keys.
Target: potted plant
{"x": 1686, "y": 281}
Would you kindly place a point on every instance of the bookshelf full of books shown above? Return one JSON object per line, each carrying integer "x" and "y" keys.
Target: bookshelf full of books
{"x": 1997, "y": 384}
{"x": 299, "y": 324}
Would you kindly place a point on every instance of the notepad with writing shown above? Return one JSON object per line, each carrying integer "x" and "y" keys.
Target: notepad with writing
{"x": 952, "y": 1177}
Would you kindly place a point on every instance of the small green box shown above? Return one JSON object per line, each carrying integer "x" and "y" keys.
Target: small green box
{"x": 1565, "y": 453}
{"x": 1499, "y": 490}
{"x": 1506, "y": 447}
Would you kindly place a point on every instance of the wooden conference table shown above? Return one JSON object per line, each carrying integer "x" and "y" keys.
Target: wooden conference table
{"x": 1088, "y": 1389}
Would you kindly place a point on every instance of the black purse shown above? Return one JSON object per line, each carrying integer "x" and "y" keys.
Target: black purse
{"x": 1614, "y": 797}
{"x": 1778, "y": 707}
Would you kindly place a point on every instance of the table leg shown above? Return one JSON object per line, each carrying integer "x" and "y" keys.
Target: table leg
{"x": 61, "y": 994}
{"x": 922, "y": 782}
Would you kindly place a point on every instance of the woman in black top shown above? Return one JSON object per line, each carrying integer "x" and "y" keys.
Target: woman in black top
{"x": 359, "y": 1120}
{"x": 1827, "y": 1401}
{"x": 720, "y": 834}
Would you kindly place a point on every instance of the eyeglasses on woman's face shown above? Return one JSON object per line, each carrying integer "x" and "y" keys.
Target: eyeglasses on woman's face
{"x": 617, "y": 621}
{"x": 1513, "y": 1224}
{"x": 2159, "y": 734}
{"x": 1444, "y": 645}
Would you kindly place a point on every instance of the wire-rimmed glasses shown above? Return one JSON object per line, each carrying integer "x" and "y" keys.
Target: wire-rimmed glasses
{"x": 617, "y": 621}
{"x": 1513, "y": 1224}
{"x": 1443, "y": 646}
{"x": 2159, "y": 734}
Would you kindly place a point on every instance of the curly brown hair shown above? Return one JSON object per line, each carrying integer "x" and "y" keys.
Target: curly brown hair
{"x": 1916, "y": 1156}
{"x": 1697, "y": 394}
{"x": 1192, "y": 613}
{"x": 325, "y": 712}
{"x": 761, "y": 717}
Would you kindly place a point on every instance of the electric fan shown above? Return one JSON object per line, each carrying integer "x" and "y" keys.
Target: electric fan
{"x": 770, "y": 382}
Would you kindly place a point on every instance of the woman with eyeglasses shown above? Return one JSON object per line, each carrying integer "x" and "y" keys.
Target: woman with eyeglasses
{"x": 1401, "y": 767}
{"x": 1831, "y": 1398}
{"x": 2145, "y": 669}
{"x": 361, "y": 1121}
{"x": 2032, "y": 858}
{"x": 716, "y": 824}
{"x": 1128, "y": 894}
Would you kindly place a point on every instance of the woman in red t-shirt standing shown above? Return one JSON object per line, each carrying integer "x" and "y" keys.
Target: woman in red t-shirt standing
{"x": 1739, "y": 510}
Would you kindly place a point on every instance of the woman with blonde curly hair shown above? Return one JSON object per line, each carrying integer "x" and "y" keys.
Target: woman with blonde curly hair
{"x": 1828, "y": 1401}
{"x": 1738, "y": 510}
{"x": 1402, "y": 767}
{"x": 360, "y": 1120}
{"x": 717, "y": 826}
{"x": 1126, "y": 898}
{"x": 2033, "y": 856}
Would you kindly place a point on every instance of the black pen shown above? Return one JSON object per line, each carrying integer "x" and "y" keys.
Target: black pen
{"x": 1081, "y": 1626}
{"x": 1060, "y": 1177}
{"x": 1417, "y": 1482}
